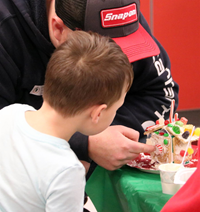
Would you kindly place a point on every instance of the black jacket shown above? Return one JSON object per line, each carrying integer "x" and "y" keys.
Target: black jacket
{"x": 25, "y": 49}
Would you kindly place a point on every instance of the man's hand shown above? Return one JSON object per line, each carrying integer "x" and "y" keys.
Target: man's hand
{"x": 116, "y": 146}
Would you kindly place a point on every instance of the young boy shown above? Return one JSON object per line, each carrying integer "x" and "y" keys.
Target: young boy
{"x": 86, "y": 82}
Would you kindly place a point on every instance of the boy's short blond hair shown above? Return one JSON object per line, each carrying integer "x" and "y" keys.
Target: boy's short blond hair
{"x": 88, "y": 69}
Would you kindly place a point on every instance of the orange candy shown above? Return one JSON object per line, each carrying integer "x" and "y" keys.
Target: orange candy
{"x": 188, "y": 127}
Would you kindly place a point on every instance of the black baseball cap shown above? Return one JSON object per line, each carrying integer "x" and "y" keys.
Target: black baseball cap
{"x": 118, "y": 19}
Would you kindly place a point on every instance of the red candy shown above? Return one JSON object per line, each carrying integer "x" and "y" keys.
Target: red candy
{"x": 157, "y": 122}
{"x": 166, "y": 122}
{"x": 184, "y": 120}
{"x": 182, "y": 152}
{"x": 161, "y": 133}
{"x": 150, "y": 128}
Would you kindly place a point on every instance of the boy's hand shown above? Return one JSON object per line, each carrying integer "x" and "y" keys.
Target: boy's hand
{"x": 116, "y": 146}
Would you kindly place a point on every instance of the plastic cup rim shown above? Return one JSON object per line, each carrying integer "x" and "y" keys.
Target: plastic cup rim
{"x": 165, "y": 164}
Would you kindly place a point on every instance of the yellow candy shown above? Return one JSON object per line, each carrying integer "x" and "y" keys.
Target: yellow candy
{"x": 188, "y": 127}
{"x": 197, "y": 131}
{"x": 190, "y": 151}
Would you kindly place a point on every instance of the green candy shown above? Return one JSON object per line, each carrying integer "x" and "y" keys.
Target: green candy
{"x": 180, "y": 123}
{"x": 165, "y": 141}
{"x": 170, "y": 125}
{"x": 166, "y": 135}
{"x": 176, "y": 129}
{"x": 156, "y": 132}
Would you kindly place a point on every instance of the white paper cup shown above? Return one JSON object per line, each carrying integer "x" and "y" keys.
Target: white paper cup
{"x": 167, "y": 173}
{"x": 183, "y": 175}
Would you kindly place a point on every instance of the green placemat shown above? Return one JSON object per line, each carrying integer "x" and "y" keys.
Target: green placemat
{"x": 126, "y": 190}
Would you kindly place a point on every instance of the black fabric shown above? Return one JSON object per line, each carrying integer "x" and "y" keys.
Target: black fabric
{"x": 85, "y": 198}
{"x": 24, "y": 53}
{"x": 79, "y": 144}
{"x": 25, "y": 50}
{"x": 38, "y": 9}
{"x": 85, "y": 201}
{"x": 93, "y": 166}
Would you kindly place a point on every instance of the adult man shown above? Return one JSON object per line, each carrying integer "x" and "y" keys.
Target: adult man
{"x": 26, "y": 46}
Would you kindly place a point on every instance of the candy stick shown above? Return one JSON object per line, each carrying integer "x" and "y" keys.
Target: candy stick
{"x": 171, "y": 111}
{"x": 159, "y": 149}
{"x": 176, "y": 117}
{"x": 187, "y": 146}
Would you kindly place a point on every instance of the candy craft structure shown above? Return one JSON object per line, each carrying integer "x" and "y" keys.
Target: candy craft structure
{"x": 171, "y": 138}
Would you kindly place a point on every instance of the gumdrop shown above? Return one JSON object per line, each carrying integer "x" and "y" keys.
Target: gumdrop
{"x": 166, "y": 122}
{"x": 166, "y": 135}
{"x": 190, "y": 151}
{"x": 186, "y": 134}
{"x": 188, "y": 127}
{"x": 170, "y": 125}
{"x": 176, "y": 129}
{"x": 184, "y": 120}
{"x": 165, "y": 141}
{"x": 180, "y": 123}
{"x": 182, "y": 152}
{"x": 197, "y": 131}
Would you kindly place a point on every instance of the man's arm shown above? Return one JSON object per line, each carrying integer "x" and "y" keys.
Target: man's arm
{"x": 151, "y": 93}
{"x": 111, "y": 149}
{"x": 79, "y": 144}
{"x": 116, "y": 146}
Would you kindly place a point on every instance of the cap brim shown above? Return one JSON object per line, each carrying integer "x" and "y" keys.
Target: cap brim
{"x": 138, "y": 45}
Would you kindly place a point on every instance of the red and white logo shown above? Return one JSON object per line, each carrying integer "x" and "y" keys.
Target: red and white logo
{"x": 119, "y": 16}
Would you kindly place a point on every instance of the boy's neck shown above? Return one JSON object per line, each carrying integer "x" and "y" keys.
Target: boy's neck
{"x": 47, "y": 120}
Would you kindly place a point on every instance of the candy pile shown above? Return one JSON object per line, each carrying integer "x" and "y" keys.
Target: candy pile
{"x": 171, "y": 139}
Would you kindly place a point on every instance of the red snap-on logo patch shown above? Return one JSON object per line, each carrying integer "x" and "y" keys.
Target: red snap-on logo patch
{"x": 119, "y": 16}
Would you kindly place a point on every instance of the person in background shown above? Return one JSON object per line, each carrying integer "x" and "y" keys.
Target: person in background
{"x": 30, "y": 30}
{"x": 86, "y": 81}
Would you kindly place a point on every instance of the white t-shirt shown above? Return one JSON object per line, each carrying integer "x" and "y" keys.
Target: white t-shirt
{"x": 38, "y": 172}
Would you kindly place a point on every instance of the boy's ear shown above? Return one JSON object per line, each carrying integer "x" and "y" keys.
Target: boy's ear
{"x": 58, "y": 31}
{"x": 97, "y": 112}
